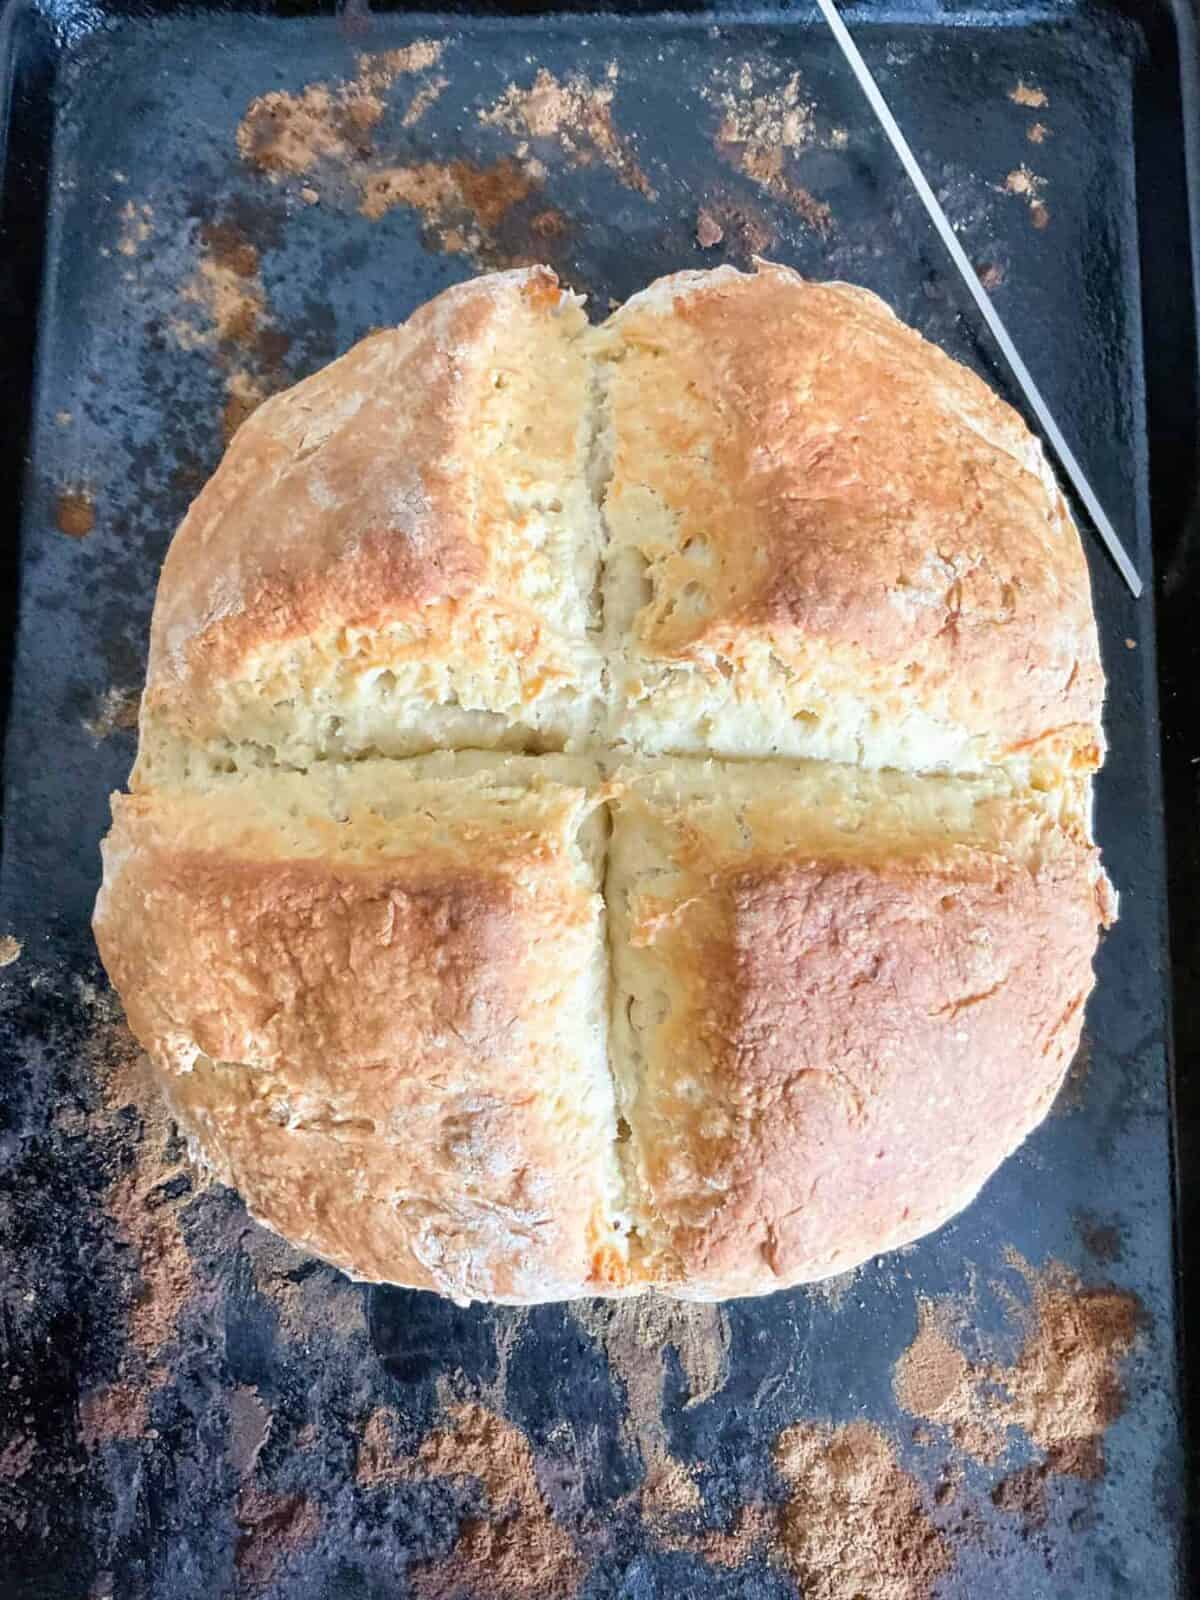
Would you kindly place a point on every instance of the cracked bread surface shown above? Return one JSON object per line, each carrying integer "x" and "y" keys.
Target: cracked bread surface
{"x": 398, "y": 555}
{"x": 429, "y": 1018}
{"x": 842, "y": 997}
{"x": 377, "y": 994}
{"x": 830, "y": 540}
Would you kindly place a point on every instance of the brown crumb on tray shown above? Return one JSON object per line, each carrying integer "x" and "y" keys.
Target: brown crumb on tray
{"x": 813, "y": 211}
{"x": 635, "y": 1335}
{"x": 287, "y": 134}
{"x": 114, "y": 1411}
{"x": 136, "y": 227}
{"x": 709, "y": 231}
{"x": 488, "y": 214}
{"x": 148, "y": 1185}
{"x": 576, "y": 115}
{"x": 1037, "y": 133}
{"x": 669, "y": 1491}
{"x": 482, "y": 194}
{"x": 75, "y": 513}
{"x": 422, "y": 100}
{"x": 779, "y": 120}
{"x": 855, "y": 1523}
{"x": 772, "y": 117}
{"x": 1066, "y": 1384}
{"x": 10, "y": 949}
{"x": 514, "y": 1550}
{"x": 1028, "y": 94}
{"x": 746, "y": 229}
{"x": 272, "y": 1528}
{"x": 116, "y": 713}
{"x": 227, "y": 286}
{"x": 324, "y": 134}
{"x": 162, "y": 1263}
{"x": 1077, "y": 1458}
{"x": 766, "y": 168}
{"x": 381, "y": 68}
{"x": 223, "y": 308}
{"x": 933, "y": 1380}
{"x": 141, "y": 1201}
{"x": 1063, "y": 1390}
{"x": 1023, "y": 1494}
{"x": 379, "y": 1459}
{"x": 751, "y": 1534}
{"x": 244, "y": 394}
{"x": 1028, "y": 186}
{"x": 1023, "y": 182}
{"x": 763, "y": 128}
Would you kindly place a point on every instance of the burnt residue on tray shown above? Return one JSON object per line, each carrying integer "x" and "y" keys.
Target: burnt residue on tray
{"x": 314, "y": 1418}
{"x": 189, "y": 1406}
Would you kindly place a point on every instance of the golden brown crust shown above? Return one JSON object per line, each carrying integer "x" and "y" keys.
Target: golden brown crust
{"x": 844, "y": 490}
{"x": 377, "y": 992}
{"x": 364, "y": 518}
{"x": 839, "y": 1039}
{"x": 378, "y": 1046}
{"x": 336, "y": 501}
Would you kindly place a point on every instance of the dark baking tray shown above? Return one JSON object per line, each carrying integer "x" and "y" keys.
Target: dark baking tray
{"x": 143, "y": 1350}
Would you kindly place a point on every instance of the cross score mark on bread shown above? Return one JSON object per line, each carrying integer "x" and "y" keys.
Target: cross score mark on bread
{"x": 612, "y": 806}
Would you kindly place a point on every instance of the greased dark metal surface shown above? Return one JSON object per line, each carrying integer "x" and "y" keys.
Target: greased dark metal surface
{"x": 187, "y": 1406}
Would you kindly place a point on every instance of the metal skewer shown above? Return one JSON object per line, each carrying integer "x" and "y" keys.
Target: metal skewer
{"x": 980, "y": 296}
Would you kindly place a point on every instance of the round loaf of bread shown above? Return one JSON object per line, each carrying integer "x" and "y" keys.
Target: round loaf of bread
{"x": 612, "y": 807}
